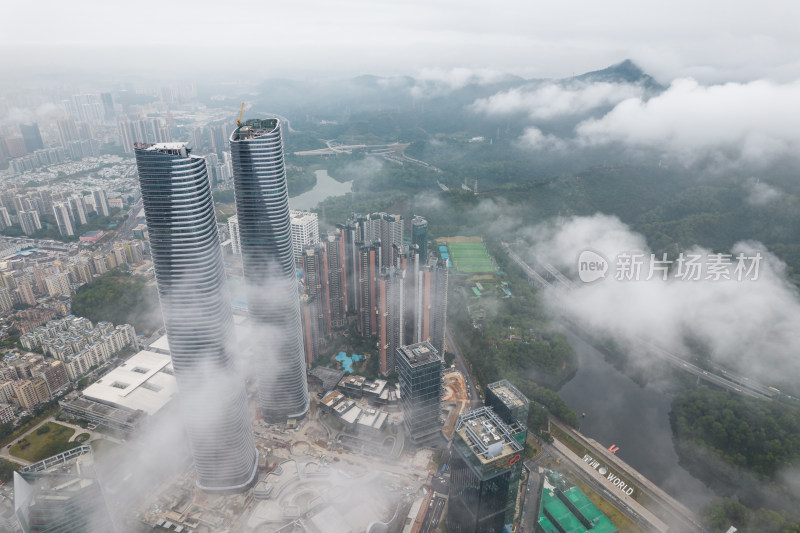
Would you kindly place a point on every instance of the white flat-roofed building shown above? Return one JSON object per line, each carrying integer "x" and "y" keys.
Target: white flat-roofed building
{"x": 305, "y": 232}
{"x": 160, "y": 345}
{"x": 144, "y": 382}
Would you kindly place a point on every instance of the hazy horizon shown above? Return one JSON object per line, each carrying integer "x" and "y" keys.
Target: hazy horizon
{"x": 712, "y": 43}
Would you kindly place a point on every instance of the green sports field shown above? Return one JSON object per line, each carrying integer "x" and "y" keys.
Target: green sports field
{"x": 470, "y": 257}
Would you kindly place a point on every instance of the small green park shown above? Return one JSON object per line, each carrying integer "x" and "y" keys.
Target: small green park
{"x": 47, "y": 440}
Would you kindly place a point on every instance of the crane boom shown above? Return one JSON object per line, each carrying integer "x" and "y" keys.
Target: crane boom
{"x": 241, "y": 112}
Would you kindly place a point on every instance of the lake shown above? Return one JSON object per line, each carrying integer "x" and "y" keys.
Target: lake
{"x": 326, "y": 187}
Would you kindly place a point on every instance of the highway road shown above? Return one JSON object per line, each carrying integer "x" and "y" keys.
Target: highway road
{"x": 434, "y": 514}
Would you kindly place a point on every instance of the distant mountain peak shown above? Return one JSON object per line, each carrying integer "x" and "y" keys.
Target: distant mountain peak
{"x": 624, "y": 72}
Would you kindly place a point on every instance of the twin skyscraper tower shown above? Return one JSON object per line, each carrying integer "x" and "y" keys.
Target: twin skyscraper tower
{"x": 192, "y": 287}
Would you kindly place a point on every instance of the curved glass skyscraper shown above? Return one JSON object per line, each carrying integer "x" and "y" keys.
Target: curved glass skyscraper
{"x": 262, "y": 207}
{"x": 197, "y": 313}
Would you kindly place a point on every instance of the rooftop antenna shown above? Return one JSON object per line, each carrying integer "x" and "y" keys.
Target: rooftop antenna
{"x": 241, "y": 112}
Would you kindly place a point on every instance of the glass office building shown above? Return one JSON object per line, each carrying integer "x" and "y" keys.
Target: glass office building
{"x": 419, "y": 371}
{"x": 192, "y": 287}
{"x": 483, "y": 481}
{"x": 62, "y": 494}
{"x": 273, "y": 301}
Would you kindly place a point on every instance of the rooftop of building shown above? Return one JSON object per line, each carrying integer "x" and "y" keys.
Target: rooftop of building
{"x": 556, "y": 492}
{"x": 332, "y": 398}
{"x": 302, "y": 216}
{"x": 115, "y": 415}
{"x": 171, "y": 148}
{"x": 419, "y": 354}
{"x": 78, "y": 462}
{"x": 254, "y": 127}
{"x": 144, "y": 382}
{"x": 486, "y": 435}
{"x": 508, "y": 394}
{"x": 353, "y": 381}
{"x": 328, "y": 377}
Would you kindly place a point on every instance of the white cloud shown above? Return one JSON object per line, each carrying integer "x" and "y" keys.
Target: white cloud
{"x": 535, "y": 139}
{"x": 748, "y": 324}
{"x": 552, "y": 100}
{"x": 435, "y": 81}
{"x": 756, "y": 120}
{"x": 760, "y": 193}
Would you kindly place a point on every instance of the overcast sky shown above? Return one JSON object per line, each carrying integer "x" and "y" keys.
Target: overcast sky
{"x": 710, "y": 40}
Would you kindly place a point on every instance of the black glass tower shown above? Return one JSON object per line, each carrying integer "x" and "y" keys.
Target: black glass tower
{"x": 482, "y": 478}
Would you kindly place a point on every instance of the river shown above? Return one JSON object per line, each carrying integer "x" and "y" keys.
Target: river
{"x": 619, "y": 411}
{"x": 325, "y": 188}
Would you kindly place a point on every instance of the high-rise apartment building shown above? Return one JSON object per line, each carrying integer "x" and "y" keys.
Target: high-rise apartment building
{"x": 197, "y": 313}
{"x": 483, "y": 477}
{"x": 305, "y": 232}
{"x": 101, "y": 202}
{"x": 262, "y": 207}
{"x": 391, "y": 311}
{"x": 63, "y": 219}
{"x": 337, "y": 280}
{"x": 78, "y": 207}
{"x": 67, "y": 131}
{"x": 58, "y": 285}
{"x": 145, "y": 130}
{"x": 388, "y": 229}
{"x": 31, "y": 136}
{"x": 419, "y": 236}
{"x": 419, "y": 371}
{"x": 367, "y": 269}
{"x": 29, "y": 221}
{"x": 6, "y": 301}
{"x": 315, "y": 281}
{"x": 311, "y": 333}
{"x": 108, "y": 106}
{"x": 431, "y": 312}
{"x": 236, "y": 240}
{"x": 25, "y": 293}
{"x": 5, "y": 218}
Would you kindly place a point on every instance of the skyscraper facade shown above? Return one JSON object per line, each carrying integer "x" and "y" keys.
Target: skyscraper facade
{"x": 315, "y": 280}
{"x": 305, "y": 232}
{"x": 388, "y": 230}
{"x": 101, "y": 202}
{"x": 391, "y": 311}
{"x": 31, "y": 136}
{"x": 63, "y": 219}
{"x": 29, "y": 221}
{"x": 236, "y": 241}
{"x": 419, "y": 236}
{"x": 190, "y": 274}
{"x": 367, "y": 268}
{"x": 483, "y": 473}
{"x": 337, "y": 280}
{"x": 431, "y": 312}
{"x": 419, "y": 369}
{"x": 62, "y": 493}
{"x": 262, "y": 208}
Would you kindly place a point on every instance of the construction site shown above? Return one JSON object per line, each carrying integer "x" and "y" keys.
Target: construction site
{"x": 323, "y": 475}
